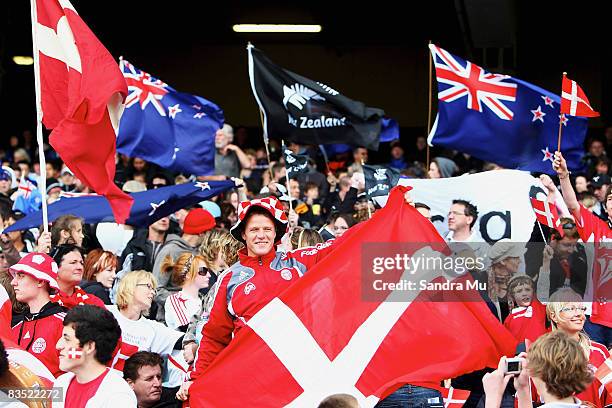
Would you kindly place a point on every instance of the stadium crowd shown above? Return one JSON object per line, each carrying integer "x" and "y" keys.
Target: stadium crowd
{"x": 134, "y": 322}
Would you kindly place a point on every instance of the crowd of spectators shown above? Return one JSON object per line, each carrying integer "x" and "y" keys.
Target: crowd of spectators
{"x": 152, "y": 287}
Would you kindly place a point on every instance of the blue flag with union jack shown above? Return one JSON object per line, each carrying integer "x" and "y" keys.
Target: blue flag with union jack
{"x": 172, "y": 129}
{"x": 501, "y": 119}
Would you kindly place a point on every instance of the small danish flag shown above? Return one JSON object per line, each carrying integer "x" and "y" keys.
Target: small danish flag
{"x": 574, "y": 101}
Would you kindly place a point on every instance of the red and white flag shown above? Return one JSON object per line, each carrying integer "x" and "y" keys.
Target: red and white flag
{"x": 327, "y": 333}
{"x": 25, "y": 187}
{"x": 6, "y": 314}
{"x": 574, "y": 101}
{"x": 453, "y": 397}
{"x": 82, "y": 93}
{"x": 547, "y": 214}
{"x": 604, "y": 374}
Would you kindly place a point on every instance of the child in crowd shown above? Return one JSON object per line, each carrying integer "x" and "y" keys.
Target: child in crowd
{"x": 527, "y": 319}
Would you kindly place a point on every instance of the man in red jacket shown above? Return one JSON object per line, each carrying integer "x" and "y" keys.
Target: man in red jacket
{"x": 35, "y": 280}
{"x": 260, "y": 275}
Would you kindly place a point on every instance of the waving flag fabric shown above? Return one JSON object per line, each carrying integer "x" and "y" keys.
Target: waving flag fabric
{"x": 501, "y": 119}
{"x": 574, "y": 101}
{"x": 149, "y": 206}
{"x": 304, "y": 111}
{"x": 82, "y": 91}
{"x": 172, "y": 129}
{"x": 294, "y": 163}
{"x": 547, "y": 214}
{"x": 325, "y": 335}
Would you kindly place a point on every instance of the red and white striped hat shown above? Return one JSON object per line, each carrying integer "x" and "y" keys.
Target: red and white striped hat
{"x": 39, "y": 266}
{"x": 270, "y": 204}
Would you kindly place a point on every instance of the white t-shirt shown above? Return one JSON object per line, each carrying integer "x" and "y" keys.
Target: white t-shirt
{"x": 142, "y": 335}
{"x": 180, "y": 308}
{"x": 113, "y": 392}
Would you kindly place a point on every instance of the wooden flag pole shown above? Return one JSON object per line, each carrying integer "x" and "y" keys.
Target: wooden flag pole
{"x": 429, "y": 111}
{"x": 287, "y": 177}
{"x": 266, "y": 144}
{"x": 560, "y": 119}
{"x": 42, "y": 183}
{"x": 366, "y": 192}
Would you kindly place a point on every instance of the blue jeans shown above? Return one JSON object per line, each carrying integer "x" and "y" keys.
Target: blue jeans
{"x": 597, "y": 332}
{"x": 411, "y": 396}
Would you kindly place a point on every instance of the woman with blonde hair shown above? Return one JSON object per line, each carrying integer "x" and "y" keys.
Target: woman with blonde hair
{"x": 304, "y": 237}
{"x": 219, "y": 249}
{"x": 100, "y": 271}
{"x": 134, "y": 296}
{"x": 566, "y": 313}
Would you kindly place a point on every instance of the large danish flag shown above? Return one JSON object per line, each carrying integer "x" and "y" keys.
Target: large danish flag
{"x": 471, "y": 81}
{"x": 574, "y": 101}
{"x": 82, "y": 92}
{"x": 326, "y": 335}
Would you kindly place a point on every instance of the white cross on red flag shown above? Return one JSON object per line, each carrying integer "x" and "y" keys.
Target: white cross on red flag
{"x": 454, "y": 397}
{"x": 574, "y": 101}
{"x": 82, "y": 92}
{"x": 547, "y": 214}
{"x": 325, "y": 335}
{"x": 604, "y": 374}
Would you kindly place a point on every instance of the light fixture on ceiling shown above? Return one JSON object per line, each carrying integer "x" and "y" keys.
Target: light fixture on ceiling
{"x": 277, "y": 28}
{"x": 23, "y": 60}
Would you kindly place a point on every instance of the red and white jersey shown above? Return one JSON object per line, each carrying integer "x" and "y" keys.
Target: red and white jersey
{"x": 527, "y": 322}
{"x": 245, "y": 288}
{"x": 596, "y": 392}
{"x": 142, "y": 335}
{"x": 180, "y": 307}
{"x": 39, "y": 337}
{"x": 113, "y": 392}
{"x": 593, "y": 229}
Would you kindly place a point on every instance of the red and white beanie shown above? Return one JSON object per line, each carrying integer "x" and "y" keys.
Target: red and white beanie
{"x": 270, "y": 204}
{"x": 39, "y": 266}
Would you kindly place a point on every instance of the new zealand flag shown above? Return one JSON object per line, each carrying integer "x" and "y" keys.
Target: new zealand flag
{"x": 171, "y": 129}
{"x": 501, "y": 119}
{"x": 295, "y": 163}
{"x": 304, "y": 111}
{"x": 379, "y": 180}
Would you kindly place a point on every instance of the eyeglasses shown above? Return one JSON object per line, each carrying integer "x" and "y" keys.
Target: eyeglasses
{"x": 148, "y": 285}
{"x": 568, "y": 225}
{"x": 203, "y": 271}
{"x": 455, "y": 213}
{"x": 574, "y": 309}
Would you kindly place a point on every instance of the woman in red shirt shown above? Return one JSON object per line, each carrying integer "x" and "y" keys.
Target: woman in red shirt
{"x": 567, "y": 313}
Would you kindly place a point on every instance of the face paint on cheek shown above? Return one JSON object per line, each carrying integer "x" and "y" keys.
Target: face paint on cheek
{"x": 75, "y": 353}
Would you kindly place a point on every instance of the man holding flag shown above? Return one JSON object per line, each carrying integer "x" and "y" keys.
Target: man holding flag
{"x": 592, "y": 229}
{"x": 260, "y": 297}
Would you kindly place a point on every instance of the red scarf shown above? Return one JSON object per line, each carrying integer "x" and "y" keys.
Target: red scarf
{"x": 78, "y": 297}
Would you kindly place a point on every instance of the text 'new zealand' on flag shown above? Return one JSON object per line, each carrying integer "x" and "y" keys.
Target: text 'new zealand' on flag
{"x": 172, "y": 129}
{"x": 308, "y": 112}
{"x": 379, "y": 180}
{"x": 501, "y": 119}
{"x": 295, "y": 163}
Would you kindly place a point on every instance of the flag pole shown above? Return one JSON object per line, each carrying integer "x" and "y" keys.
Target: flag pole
{"x": 287, "y": 177}
{"x": 266, "y": 144}
{"x": 430, "y": 97}
{"x": 541, "y": 231}
{"x": 560, "y": 119}
{"x": 42, "y": 183}
{"x": 366, "y": 193}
